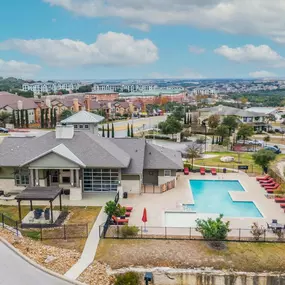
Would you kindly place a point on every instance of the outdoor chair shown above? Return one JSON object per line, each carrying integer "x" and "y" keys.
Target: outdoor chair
{"x": 186, "y": 171}
{"x": 213, "y": 171}
{"x": 129, "y": 209}
{"x": 120, "y": 221}
{"x": 261, "y": 178}
{"x": 280, "y": 200}
{"x": 202, "y": 171}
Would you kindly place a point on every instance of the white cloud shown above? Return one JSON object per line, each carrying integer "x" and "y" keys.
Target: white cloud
{"x": 261, "y": 17}
{"x": 140, "y": 26}
{"x": 196, "y": 49}
{"x": 250, "y": 53}
{"x": 109, "y": 49}
{"x": 262, "y": 74}
{"x": 186, "y": 74}
{"x": 18, "y": 69}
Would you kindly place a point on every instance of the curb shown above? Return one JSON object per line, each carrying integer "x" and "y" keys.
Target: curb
{"x": 38, "y": 266}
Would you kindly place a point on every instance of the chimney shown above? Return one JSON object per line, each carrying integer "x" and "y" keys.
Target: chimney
{"x": 64, "y": 132}
{"x": 87, "y": 103}
{"x": 75, "y": 105}
{"x": 48, "y": 104}
{"x": 20, "y": 105}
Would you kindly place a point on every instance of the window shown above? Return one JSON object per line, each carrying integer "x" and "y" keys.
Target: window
{"x": 167, "y": 172}
{"x": 100, "y": 179}
{"x": 86, "y": 126}
{"x": 80, "y": 126}
{"x": 22, "y": 177}
{"x": 75, "y": 126}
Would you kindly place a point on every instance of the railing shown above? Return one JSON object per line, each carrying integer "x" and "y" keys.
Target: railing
{"x": 9, "y": 224}
{"x": 235, "y": 235}
{"x": 158, "y": 189}
{"x": 230, "y": 168}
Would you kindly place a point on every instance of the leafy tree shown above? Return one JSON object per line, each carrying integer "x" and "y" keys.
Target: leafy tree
{"x": 170, "y": 126}
{"x": 128, "y": 278}
{"x": 245, "y": 131}
{"x": 85, "y": 88}
{"x": 185, "y": 119}
{"x": 231, "y": 123}
{"x": 103, "y": 131}
{"x": 65, "y": 114}
{"x": 179, "y": 112}
{"x": 113, "y": 131}
{"x": 263, "y": 158}
{"x": 222, "y": 131}
{"x": 194, "y": 151}
{"x": 63, "y": 91}
{"x": 266, "y": 139}
{"x": 128, "y": 132}
{"x": 213, "y": 230}
{"x": 272, "y": 118}
{"x": 4, "y": 118}
{"x": 213, "y": 121}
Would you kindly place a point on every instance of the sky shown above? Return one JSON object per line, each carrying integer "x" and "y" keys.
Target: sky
{"x": 121, "y": 39}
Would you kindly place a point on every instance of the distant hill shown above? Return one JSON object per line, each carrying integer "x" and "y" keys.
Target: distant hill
{"x": 10, "y": 83}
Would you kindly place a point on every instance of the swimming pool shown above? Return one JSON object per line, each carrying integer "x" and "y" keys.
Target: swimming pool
{"x": 212, "y": 196}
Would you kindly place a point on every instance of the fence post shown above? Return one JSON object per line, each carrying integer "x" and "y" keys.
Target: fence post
{"x": 41, "y": 233}
{"x": 3, "y": 220}
{"x": 165, "y": 232}
{"x": 17, "y": 228}
{"x": 64, "y": 232}
{"x": 141, "y": 231}
{"x": 264, "y": 235}
{"x": 117, "y": 231}
{"x": 239, "y": 230}
{"x": 190, "y": 233}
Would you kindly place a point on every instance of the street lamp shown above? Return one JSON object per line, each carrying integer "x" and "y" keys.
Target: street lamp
{"x": 204, "y": 124}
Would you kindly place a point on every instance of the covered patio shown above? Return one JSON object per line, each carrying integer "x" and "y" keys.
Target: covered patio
{"x": 40, "y": 194}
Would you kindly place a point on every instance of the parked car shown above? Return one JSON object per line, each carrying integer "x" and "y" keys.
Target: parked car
{"x": 251, "y": 142}
{"x": 4, "y": 130}
{"x": 275, "y": 149}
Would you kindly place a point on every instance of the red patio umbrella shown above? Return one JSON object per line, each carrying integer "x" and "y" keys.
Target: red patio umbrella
{"x": 144, "y": 218}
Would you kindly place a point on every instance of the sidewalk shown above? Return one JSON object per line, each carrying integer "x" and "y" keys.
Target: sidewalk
{"x": 89, "y": 250}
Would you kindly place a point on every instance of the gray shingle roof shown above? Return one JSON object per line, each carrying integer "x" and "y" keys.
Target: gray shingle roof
{"x": 83, "y": 117}
{"x": 157, "y": 157}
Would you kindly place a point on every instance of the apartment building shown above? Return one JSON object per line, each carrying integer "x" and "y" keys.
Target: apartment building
{"x": 124, "y": 87}
{"x": 50, "y": 87}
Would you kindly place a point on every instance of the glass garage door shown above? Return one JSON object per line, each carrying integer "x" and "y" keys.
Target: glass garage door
{"x": 100, "y": 180}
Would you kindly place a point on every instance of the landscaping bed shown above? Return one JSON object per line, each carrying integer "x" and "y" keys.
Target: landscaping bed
{"x": 249, "y": 257}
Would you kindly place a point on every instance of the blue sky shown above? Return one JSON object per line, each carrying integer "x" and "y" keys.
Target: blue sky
{"x": 93, "y": 39}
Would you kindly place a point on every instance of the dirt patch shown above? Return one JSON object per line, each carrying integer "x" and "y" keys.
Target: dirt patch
{"x": 250, "y": 257}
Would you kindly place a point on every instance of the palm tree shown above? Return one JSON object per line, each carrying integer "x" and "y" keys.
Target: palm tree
{"x": 193, "y": 152}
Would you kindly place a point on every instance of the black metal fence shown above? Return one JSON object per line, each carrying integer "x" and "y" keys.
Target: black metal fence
{"x": 9, "y": 224}
{"x": 106, "y": 225}
{"x": 229, "y": 168}
{"x": 170, "y": 233}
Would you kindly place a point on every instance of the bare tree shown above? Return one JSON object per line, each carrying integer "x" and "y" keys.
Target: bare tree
{"x": 194, "y": 151}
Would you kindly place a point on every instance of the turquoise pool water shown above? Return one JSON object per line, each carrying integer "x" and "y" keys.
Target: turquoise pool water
{"x": 212, "y": 196}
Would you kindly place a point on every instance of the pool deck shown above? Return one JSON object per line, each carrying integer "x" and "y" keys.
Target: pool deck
{"x": 157, "y": 204}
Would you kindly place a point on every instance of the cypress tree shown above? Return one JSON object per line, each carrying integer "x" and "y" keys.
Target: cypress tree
{"x": 18, "y": 119}
{"x": 103, "y": 131}
{"x": 46, "y": 119}
{"x": 213, "y": 140}
{"x": 27, "y": 118}
{"x": 14, "y": 119}
{"x": 54, "y": 118}
{"x": 132, "y": 131}
{"x": 113, "y": 131}
{"x": 190, "y": 119}
{"x": 217, "y": 140}
{"x": 42, "y": 119}
{"x": 185, "y": 119}
{"x": 51, "y": 118}
{"x": 22, "y": 119}
{"x": 108, "y": 131}
{"x": 128, "y": 133}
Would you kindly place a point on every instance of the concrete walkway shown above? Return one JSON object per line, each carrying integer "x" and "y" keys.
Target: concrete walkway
{"x": 89, "y": 250}
{"x": 14, "y": 270}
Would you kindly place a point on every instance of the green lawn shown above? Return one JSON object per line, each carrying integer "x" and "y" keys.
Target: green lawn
{"x": 245, "y": 159}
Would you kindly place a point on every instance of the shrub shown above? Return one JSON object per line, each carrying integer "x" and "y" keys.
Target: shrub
{"x": 129, "y": 231}
{"x": 257, "y": 231}
{"x": 280, "y": 234}
{"x": 110, "y": 208}
{"x": 213, "y": 230}
{"x": 35, "y": 235}
{"x": 129, "y": 278}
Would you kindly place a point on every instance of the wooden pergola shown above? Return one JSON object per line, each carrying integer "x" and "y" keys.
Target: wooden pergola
{"x": 39, "y": 194}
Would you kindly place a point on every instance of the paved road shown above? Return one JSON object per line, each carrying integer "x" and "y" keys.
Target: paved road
{"x": 16, "y": 271}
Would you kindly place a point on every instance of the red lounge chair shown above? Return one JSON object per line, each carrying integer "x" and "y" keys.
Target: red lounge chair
{"x": 272, "y": 187}
{"x": 266, "y": 181}
{"x": 268, "y": 184}
{"x": 202, "y": 171}
{"x": 261, "y": 178}
{"x": 129, "y": 209}
{"x": 186, "y": 171}
{"x": 120, "y": 221}
{"x": 282, "y": 206}
{"x": 271, "y": 191}
{"x": 128, "y": 214}
{"x": 213, "y": 171}
{"x": 280, "y": 200}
